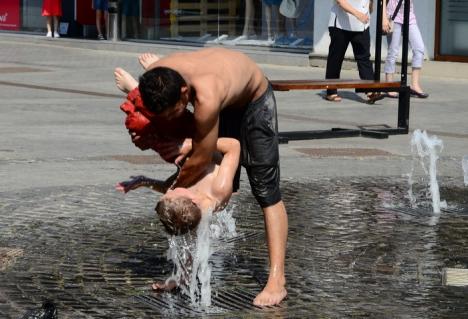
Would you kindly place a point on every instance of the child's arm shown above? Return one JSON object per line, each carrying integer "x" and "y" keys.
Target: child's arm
{"x": 222, "y": 184}
{"x": 143, "y": 181}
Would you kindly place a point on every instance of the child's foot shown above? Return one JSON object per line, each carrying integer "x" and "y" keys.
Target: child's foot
{"x": 124, "y": 81}
{"x": 146, "y": 59}
{"x": 49, "y": 34}
{"x": 56, "y": 34}
{"x": 271, "y": 295}
{"x": 164, "y": 286}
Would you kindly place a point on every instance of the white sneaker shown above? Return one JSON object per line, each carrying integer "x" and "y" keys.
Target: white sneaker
{"x": 56, "y": 35}
{"x": 49, "y": 34}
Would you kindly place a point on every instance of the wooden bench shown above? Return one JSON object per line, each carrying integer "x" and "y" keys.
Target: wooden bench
{"x": 287, "y": 85}
{"x": 374, "y": 131}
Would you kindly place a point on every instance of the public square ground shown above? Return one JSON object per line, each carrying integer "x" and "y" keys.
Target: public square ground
{"x": 356, "y": 248}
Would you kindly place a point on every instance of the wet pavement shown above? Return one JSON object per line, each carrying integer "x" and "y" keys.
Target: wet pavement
{"x": 356, "y": 249}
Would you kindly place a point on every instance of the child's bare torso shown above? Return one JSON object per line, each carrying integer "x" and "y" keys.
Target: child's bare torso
{"x": 204, "y": 187}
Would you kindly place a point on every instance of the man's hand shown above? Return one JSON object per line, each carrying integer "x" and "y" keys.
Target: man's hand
{"x": 168, "y": 149}
{"x": 184, "y": 151}
{"x": 364, "y": 18}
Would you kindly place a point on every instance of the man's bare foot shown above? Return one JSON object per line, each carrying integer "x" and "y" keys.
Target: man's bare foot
{"x": 271, "y": 295}
{"x": 146, "y": 59}
{"x": 167, "y": 286}
{"x": 124, "y": 81}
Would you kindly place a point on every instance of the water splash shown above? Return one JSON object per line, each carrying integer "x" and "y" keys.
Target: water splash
{"x": 191, "y": 253}
{"x": 465, "y": 169}
{"x": 426, "y": 149}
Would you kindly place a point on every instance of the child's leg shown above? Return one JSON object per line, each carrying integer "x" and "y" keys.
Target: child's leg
{"x": 98, "y": 22}
{"x": 167, "y": 286}
{"x": 49, "y": 25}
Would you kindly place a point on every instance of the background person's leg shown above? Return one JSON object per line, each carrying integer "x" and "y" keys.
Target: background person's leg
{"x": 336, "y": 52}
{"x": 49, "y": 26}
{"x": 417, "y": 46}
{"x": 56, "y": 27}
{"x": 394, "y": 42}
{"x": 361, "y": 49}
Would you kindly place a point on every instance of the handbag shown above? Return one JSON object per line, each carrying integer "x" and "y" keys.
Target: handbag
{"x": 392, "y": 18}
{"x": 289, "y": 8}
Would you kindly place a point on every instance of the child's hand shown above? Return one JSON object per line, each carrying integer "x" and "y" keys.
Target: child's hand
{"x": 134, "y": 183}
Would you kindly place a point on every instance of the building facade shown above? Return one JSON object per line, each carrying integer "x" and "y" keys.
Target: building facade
{"x": 271, "y": 25}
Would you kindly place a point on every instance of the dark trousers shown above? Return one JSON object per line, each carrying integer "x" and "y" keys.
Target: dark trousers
{"x": 340, "y": 40}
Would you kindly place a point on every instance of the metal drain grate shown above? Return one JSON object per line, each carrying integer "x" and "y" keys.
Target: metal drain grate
{"x": 223, "y": 302}
{"x": 343, "y": 152}
{"x": 241, "y": 237}
{"x": 456, "y": 210}
{"x": 175, "y": 306}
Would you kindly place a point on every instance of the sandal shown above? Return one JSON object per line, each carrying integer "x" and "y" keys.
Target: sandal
{"x": 374, "y": 97}
{"x": 100, "y": 37}
{"x": 333, "y": 98}
{"x": 392, "y": 95}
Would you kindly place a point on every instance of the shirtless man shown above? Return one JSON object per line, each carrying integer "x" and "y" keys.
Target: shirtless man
{"x": 180, "y": 209}
{"x": 231, "y": 97}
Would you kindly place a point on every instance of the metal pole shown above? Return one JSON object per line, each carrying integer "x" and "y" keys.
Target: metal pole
{"x": 113, "y": 21}
{"x": 404, "y": 58}
{"x": 404, "y": 96}
{"x": 378, "y": 41}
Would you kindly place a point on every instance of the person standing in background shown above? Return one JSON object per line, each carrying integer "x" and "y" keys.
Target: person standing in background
{"x": 52, "y": 10}
{"x": 349, "y": 23}
{"x": 395, "y": 12}
{"x": 101, "y": 7}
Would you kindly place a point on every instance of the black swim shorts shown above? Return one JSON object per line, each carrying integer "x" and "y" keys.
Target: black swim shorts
{"x": 256, "y": 129}
{"x": 259, "y": 144}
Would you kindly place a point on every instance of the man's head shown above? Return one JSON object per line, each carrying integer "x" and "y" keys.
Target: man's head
{"x": 163, "y": 91}
{"x": 178, "y": 211}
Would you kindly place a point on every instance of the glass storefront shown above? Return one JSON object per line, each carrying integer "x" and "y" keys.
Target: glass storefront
{"x": 281, "y": 24}
{"x": 453, "y": 28}
{"x": 228, "y": 22}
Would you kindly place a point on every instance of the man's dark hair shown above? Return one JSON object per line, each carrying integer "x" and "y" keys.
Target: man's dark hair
{"x": 160, "y": 88}
{"x": 178, "y": 215}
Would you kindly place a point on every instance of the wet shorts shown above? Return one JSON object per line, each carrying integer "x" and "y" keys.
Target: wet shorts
{"x": 256, "y": 128}
{"x": 100, "y": 5}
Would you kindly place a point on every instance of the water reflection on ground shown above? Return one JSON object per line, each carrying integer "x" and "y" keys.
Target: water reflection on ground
{"x": 356, "y": 249}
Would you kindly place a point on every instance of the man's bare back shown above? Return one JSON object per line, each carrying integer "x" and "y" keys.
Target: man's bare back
{"x": 234, "y": 77}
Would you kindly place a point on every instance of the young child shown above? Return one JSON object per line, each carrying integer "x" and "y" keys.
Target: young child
{"x": 52, "y": 10}
{"x": 180, "y": 209}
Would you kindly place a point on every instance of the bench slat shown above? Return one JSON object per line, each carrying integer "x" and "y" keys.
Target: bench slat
{"x": 286, "y": 85}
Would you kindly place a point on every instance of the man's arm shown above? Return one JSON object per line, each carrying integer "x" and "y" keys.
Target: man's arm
{"x": 222, "y": 184}
{"x": 344, "y": 4}
{"x": 207, "y": 108}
